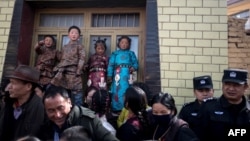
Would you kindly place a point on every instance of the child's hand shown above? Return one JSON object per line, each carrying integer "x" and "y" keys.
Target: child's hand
{"x": 131, "y": 69}
{"x": 40, "y": 67}
{"x": 41, "y": 43}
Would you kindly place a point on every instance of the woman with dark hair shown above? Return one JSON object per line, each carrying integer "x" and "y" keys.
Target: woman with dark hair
{"x": 135, "y": 128}
{"x": 101, "y": 106}
{"x": 146, "y": 92}
{"x": 167, "y": 127}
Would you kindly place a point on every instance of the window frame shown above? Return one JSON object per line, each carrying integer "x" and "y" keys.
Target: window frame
{"x": 87, "y": 30}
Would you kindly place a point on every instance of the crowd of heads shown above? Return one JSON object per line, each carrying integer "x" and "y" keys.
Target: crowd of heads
{"x": 137, "y": 97}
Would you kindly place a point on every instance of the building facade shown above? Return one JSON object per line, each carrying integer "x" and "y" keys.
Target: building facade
{"x": 175, "y": 40}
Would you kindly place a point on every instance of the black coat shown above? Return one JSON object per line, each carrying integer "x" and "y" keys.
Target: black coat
{"x": 131, "y": 130}
{"x": 28, "y": 123}
{"x": 220, "y": 116}
{"x": 178, "y": 130}
{"x": 190, "y": 112}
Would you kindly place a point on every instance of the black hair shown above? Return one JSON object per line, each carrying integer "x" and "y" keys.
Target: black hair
{"x": 28, "y": 138}
{"x": 165, "y": 99}
{"x": 124, "y": 37}
{"x": 75, "y": 27}
{"x": 135, "y": 101}
{"x": 89, "y": 103}
{"x": 146, "y": 89}
{"x": 5, "y": 95}
{"x": 4, "y": 84}
{"x": 50, "y": 36}
{"x": 103, "y": 42}
{"x": 101, "y": 102}
{"x": 34, "y": 85}
{"x": 76, "y": 133}
{"x": 53, "y": 90}
{"x": 41, "y": 87}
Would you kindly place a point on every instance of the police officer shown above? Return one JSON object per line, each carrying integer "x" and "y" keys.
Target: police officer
{"x": 190, "y": 112}
{"x": 226, "y": 117}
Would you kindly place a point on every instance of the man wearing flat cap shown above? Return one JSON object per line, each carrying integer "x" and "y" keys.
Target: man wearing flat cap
{"x": 190, "y": 112}
{"x": 23, "y": 112}
{"x": 230, "y": 111}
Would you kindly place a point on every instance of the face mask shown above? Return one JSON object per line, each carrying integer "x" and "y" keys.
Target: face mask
{"x": 162, "y": 119}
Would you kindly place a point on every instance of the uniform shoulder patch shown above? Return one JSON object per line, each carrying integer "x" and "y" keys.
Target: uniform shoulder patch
{"x": 209, "y": 99}
{"x": 187, "y": 104}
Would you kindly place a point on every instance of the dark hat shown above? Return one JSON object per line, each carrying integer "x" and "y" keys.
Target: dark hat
{"x": 25, "y": 73}
{"x": 203, "y": 82}
{"x": 235, "y": 75}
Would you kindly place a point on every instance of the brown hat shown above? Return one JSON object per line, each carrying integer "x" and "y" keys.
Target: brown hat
{"x": 26, "y": 73}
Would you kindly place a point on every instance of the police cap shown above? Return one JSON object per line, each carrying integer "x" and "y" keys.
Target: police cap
{"x": 235, "y": 75}
{"x": 203, "y": 82}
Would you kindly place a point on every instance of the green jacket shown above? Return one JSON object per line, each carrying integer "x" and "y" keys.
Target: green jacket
{"x": 80, "y": 116}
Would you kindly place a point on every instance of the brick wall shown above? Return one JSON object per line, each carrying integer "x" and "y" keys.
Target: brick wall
{"x": 238, "y": 45}
{"x": 193, "y": 41}
{"x": 6, "y": 11}
{"x": 192, "y": 37}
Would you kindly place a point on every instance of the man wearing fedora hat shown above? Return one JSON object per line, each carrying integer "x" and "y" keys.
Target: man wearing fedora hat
{"x": 190, "y": 112}
{"x": 230, "y": 112}
{"x": 23, "y": 112}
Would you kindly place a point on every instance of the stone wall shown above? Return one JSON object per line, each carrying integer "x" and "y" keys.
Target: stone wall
{"x": 238, "y": 44}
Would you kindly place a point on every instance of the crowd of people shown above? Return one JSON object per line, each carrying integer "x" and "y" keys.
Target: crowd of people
{"x": 47, "y": 102}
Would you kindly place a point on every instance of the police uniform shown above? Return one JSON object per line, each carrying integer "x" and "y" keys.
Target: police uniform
{"x": 220, "y": 116}
{"x": 190, "y": 112}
